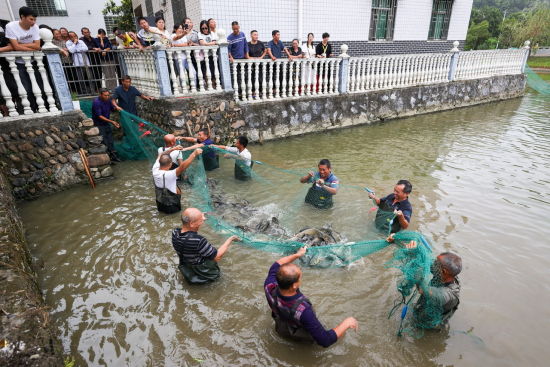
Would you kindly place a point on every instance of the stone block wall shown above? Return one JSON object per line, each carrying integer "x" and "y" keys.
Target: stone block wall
{"x": 27, "y": 336}
{"x": 41, "y": 155}
{"x": 278, "y": 119}
{"x": 186, "y": 116}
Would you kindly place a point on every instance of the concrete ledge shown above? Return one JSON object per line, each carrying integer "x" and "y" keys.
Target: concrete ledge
{"x": 26, "y": 333}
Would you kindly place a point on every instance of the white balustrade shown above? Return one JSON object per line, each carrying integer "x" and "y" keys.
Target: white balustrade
{"x": 25, "y": 86}
{"x": 260, "y": 80}
{"x": 487, "y": 63}
{"x": 397, "y": 71}
{"x": 192, "y": 70}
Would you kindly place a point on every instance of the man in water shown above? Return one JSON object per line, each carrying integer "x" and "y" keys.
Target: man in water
{"x": 396, "y": 203}
{"x": 168, "y": 194}
{"x": 209, "y": 156}
{"x": 243, "y": 158}
{"x": 325, "y": 185}
{"x": 124, "y": 96}
{"x": 198, "y": 259}
{"x": 439, "y": 299}
{"x": 170, "y": 142}
{"x": 293, "y": 313}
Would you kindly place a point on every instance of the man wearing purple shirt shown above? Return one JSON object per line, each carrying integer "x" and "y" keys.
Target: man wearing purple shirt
{"x": 101, "y": 113}
{"x": 293, "y": 313}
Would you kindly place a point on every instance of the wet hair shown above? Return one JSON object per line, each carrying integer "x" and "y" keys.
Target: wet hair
{"x": 408, "y": 187}
{"x": 326, "y": 35}
{"x": 234, "y": 23}
{"x": 165, "y": 160}
{"x": 204, "y": 22}
{"x": 243, "y": 140}
{"x": 102, "y": 90}
{"x": 141, "y": 18}
{"x": 451, "y": 262}
{"x": 126, "y": 77}
{"x": 307, "y": 42}
{"x": 286, "y": 279}
{"x": 25, "y": 11}
{"x": 101, "y": 31}
{"x": 158, "y": 18}
{"x": 324, "y": 162}
{"x": 205, "y": 132}
{"x": 274, "y": 32}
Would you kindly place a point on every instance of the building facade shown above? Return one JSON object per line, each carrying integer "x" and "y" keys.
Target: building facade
{"x": 71, "y": 14}
{"x": 366, "y": 26}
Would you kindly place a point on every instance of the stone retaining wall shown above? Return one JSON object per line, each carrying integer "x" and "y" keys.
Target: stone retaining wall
{"x": 27, "y": 338}
{"x": 41, "y": 155}
{"x": 283, "y": 118}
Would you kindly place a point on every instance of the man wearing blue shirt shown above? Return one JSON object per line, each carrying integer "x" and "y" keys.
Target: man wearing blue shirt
{"x": 125, "y": 95}
{"x": 325, "y": 185}
{"x": 101, "y": 113}
{"x": 238, "y": 47}
{"x": 275, "y": 48}
{"x": 398, "y": 203}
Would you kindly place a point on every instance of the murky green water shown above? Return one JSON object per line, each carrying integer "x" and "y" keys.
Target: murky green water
{"x": 481, "y": 180}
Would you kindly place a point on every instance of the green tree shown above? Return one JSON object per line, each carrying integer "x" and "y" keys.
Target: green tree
{"x": 537, "y": 27}
{"x": 477, "y": 35}
{"x": 124, "y": 11}
{"x": 490, "y": 14}
{"x": 509, "y": 30}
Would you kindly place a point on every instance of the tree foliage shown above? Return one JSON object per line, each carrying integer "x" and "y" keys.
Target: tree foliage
{"x": 489, "y": 27}
{"x": 124, "y": 12}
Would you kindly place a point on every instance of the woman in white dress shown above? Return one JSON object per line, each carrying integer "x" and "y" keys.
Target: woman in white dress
{"x": 309, "y": 53}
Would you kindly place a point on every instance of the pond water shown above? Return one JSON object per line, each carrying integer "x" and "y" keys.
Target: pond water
{"x": 481, "y": 188}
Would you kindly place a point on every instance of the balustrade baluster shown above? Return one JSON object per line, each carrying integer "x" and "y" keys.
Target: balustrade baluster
{"x": 244, "y": 68}
{"x": 173, "y": 77}
{"x": 208, "y": 81}
{"x": 8, "y": 98}
{"x": 249, "y": 72}
{"x": 216, "y": 70}
{"x": 47, "y": 88}
{"x": 20, "y": 89}
{"x": 192, "y": 72}
{"x": 235, "y": 82}
{"x": 335, "y": 76}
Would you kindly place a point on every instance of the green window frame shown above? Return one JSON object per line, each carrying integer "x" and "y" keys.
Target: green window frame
{"x": 441, "y": 17}
{"x": 382, "y": 20}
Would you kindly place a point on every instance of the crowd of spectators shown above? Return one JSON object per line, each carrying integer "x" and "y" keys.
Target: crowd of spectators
{"x": 90, "y": 65}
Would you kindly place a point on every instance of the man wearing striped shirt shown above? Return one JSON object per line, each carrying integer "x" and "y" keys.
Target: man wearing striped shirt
{"x": 198, "y": 259}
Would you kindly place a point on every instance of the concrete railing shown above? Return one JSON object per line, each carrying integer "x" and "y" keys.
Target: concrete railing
{"x": 481, "y": 64}
{"x": 141, "y": 67}
{"x": 260, "y": 80}
{"x": 194, "y": 70}
{"x": 397, "y": 71}
{"x": 24, "y": 85}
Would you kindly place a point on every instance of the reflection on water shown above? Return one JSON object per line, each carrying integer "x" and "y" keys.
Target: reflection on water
{"x": 481, "y": 180}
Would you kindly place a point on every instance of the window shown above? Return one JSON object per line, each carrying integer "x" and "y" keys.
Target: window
{"x": 441, "y": 16}
{"x": 48, "y": 8}
{"x": 149, "y": 7}
{"x": 382, "y": 19}
{"x": 178, "y": 11}
{"x": 110, "y": 23}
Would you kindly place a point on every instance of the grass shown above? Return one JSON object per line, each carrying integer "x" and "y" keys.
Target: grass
{"x": 545, "y": 76}
{"x": 539, "y": 62}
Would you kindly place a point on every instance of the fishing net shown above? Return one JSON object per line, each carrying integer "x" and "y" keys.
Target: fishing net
{"x": 141, "y": 140}
{"x": 536, "y": 82}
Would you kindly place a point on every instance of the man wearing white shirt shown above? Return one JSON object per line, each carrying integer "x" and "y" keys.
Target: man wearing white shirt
{"x": 168, "y": 194}
{"x": 242, "y": 156}
{"x": 23, "y": 36}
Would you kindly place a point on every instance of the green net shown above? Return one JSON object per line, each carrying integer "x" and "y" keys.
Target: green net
{"x": 536, "y": 82}
{"x": 141, "y": 140}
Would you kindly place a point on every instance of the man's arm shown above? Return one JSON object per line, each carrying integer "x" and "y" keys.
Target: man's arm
{"x": 323, "y": 337}
{"x": 223, "y": 248}
{"x": 147, "y": 98}
{"x": 290, "y": 258}
{"x": 103, "y": 118}
{"x": 330, "y": 190}
{"x": 186, "y": 163}
{"x": 306, "y": 178}
{"x": 35, "y": 46}
{"x": 115, "y": 105}
{"x": 268, "y": 50}
{"x": 402, "y": 218}
{"x": 373, "y": 197}
{"x": 187, "y": 139}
